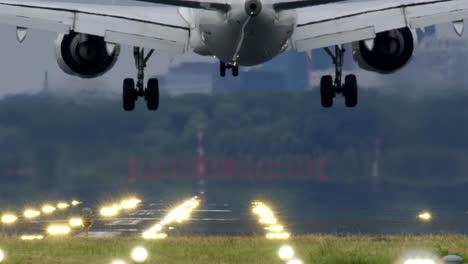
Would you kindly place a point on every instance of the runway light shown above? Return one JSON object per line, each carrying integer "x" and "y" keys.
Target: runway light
{"x": 419, "y": 261}
{"x": 130, "y": 203}
{"x": 75, "y": 222}
{"x": 275, "y": 228}
{"x": 2, "y": 256}
{"x": 62, "y": 206}
{"x": 425, "y": 216}
{"x": 31, "y": 237}
{"x": 150, "y": 235}
{"x": 268, "y": 221}
{"x": 29, "y": 213}
{"x": 278, "y": 235}
{"x": 267, "y": 215}
{"x": 9, "y": 219}
{"x": 178, "y": 214}
{"x": 419, "y": 256}
{"x": 139, "y": 254}
{"x": 109, "y": 211}
{"x": 155, "y": 229}
{"x": 286, "y": 252}
{"x": 75, "y": 203}
{"x": 58, "y": 230}
{"x": 118, "y": 261}
{"x": 28, "y": 237}
{"x": 47, "y": 209}
{"x": 295, "y": 261}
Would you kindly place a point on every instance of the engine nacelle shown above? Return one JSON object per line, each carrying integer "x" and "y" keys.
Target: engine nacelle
{"x": 392, "y": 50}
{"x": 85, "y": 55}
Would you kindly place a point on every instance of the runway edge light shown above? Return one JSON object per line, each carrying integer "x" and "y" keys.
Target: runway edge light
{"x": 139, "y": 254}
{"x": 286, "y": 252}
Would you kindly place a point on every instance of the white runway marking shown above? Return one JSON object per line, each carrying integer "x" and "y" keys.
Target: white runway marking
{"x": 125, "y": 222}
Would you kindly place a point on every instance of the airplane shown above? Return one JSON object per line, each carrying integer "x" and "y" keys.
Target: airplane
{"x": 381, "y": 33}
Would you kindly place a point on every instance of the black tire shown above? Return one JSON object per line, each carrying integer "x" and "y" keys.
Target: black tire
{"x": 222, "y": 69}
{"x": 351, "y": 91}
{"x": 152, "y": 95}
{"x": 129, "y": 94}
{"x": 327, "y": 92}
{"x": 235, "y": 71}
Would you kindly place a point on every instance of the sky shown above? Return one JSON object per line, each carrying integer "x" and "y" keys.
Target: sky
{"x": 24, "y": 64}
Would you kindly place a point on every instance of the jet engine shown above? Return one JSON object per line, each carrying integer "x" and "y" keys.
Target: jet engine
{"x": 387, "y": 53}
{"x": 85, "y": 55}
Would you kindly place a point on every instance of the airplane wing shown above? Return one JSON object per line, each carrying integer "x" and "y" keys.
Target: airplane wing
{"x": 324, "y": 23}
{"x": 158, "y": 27}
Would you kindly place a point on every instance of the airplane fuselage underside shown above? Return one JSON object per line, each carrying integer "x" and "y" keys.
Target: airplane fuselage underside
{"x": 240, "y": 39}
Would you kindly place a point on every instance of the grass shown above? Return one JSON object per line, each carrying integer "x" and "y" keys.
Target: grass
{"x": 316, "y": 249}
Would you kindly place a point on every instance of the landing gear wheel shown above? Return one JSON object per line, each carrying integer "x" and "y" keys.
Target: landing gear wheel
{"x": 152, "y": 94}
{"x": 235, "y": 71}
{"x": 351, "y": 91}
{"x": 129, "y": 95}
{"x": 327, "y": 91}
{"x": 222, "y": 69}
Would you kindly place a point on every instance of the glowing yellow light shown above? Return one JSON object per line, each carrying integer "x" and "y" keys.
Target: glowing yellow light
{"x": 277, "y": 235}
{"x": 29, "y": 213}
{"x": 261, "y": 209}
{"x": 118, "y": 261}
{"x": 286, "y": 252}
{"x": 295, "y": 261}
{"x": 268, "y": 221}
{"x": 109, "y": 211}
{"x": 28, "y": 237}
{"x": 2, "y": 256}
{"x": 9, "y": 218}
{"x": 195, "y": 204}
{"x": 58, "y": 230}
{"x": 31, "y": 237}
{"x": 47, "y": 209}
{"x": 62, "y": 206}
{"x": 128, "y": 204}
{"x": 275, "y": 228}
{"x": 155, "y": 228}
{"x": 425, "y": 216}
{"x": 178, "y": 214}
{"x": 75, "y": 202}
{"x": 75, "y": 222}
{"x": 139, "y": 254}
{"x": 150, "y": 235}
{"x": 184, "y": 216}
{"x": 131, "y": 203}
{"x": 116, "y": 207}
{"x": 266, "y": 215}
{"x": 419, "y": 261}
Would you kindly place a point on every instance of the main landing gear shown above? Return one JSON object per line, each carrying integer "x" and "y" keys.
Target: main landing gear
{"x": 131, "y": 92}
{"x": 329, "y": 88}
{"x": 224, "y": 66}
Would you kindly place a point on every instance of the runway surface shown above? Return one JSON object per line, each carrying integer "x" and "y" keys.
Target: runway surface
{"x": 222, "y": 219}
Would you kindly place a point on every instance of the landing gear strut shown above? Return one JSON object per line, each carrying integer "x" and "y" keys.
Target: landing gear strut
{"x": 223, "y": 66}
{"x": 131, "y": 92}
{"x": 330, "y": 87}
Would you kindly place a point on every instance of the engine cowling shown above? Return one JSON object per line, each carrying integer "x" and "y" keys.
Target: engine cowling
{"x": 83, "y": 55}
{"x": 392, "y": 50}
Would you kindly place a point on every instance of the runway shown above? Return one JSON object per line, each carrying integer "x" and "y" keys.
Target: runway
{"x": 222, "y": 219}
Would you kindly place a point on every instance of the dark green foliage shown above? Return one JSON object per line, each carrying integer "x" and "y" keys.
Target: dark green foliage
{"x": 62, "y": 143}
